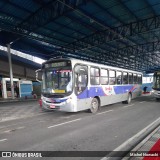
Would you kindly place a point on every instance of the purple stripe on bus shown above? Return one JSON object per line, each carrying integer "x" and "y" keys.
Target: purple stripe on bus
{"x": 106, "y": 91}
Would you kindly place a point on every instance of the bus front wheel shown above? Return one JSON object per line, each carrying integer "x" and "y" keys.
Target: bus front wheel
{"x": 94, "y": 105}
{"x": 128, "y": 99}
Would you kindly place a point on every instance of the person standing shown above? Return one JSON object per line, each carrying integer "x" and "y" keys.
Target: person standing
{"x": 17, "y": 91}
{"x": 0, "y": 90}
{"x": 145, "y": 89}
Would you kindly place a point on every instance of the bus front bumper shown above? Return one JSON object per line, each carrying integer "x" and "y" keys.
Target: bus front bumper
{"x": 64, "y": 106}
{"x": 156, "y": 94}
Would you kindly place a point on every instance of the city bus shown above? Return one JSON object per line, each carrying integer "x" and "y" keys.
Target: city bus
{"x": 73, "y": 85}
{"x": 156, "y": 85}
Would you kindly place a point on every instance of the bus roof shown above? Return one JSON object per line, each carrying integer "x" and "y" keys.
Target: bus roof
{"x": 91, "y": 64}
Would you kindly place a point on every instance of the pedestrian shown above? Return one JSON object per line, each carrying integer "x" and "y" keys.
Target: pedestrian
{"x": 145, "y": 89}
{"x": 17, "y": 91}
{"x": 0, "y": 90}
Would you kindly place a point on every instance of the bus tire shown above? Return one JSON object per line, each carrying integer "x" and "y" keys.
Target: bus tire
{"x": 157, "y": 99}
{"x": 94, "y": 105}
{"x": 128, "y": 99}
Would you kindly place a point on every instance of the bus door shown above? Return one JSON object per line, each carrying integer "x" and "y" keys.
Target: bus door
{"x": 81, "y": 82}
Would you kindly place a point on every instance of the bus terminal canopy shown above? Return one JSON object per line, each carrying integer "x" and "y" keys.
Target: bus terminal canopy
{"x": 120, "y": 33}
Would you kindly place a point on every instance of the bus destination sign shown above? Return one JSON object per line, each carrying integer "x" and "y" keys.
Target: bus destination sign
{"x": 57, "y": 64}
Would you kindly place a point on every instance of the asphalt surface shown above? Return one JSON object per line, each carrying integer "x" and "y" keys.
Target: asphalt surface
{"x": 82, "y": 131}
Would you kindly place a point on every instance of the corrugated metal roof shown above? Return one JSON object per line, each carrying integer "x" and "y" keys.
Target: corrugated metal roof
{"x": 122, "y": 33}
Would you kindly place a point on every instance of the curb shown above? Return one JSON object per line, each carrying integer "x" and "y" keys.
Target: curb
{"x": 20, "y": 100}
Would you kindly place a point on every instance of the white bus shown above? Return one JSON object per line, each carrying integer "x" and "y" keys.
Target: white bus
{"x": 73, "y": 85}
{"x": 156, "y": 85}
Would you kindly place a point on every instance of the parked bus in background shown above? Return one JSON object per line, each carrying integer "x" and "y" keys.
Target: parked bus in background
{"x": 156, "y": 85}
{"x": 73, "y": 85}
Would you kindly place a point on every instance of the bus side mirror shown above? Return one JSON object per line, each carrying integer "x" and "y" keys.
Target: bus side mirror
{"x": 37, "y": 71}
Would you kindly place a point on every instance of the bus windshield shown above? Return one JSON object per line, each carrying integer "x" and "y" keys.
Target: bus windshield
{"x": 57, "y": 80}
{"x": 156, "y": 80}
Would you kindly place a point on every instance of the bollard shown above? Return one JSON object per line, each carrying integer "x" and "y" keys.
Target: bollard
{"x": 34, "y": 96}
{"x": 40, "y": 102}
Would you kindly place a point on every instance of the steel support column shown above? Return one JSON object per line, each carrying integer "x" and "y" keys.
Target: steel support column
{"x": 10, "y": 69}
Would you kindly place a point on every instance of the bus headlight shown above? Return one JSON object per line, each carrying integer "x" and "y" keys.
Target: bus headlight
{"x": 69, "y": 100}
{"x": 43, "y": 98}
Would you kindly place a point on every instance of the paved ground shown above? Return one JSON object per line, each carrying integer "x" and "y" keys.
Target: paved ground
{"x": 36, "y": 130}
{"x": 16, "y": 110}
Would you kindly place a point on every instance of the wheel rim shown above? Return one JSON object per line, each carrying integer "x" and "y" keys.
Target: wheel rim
{"x": 129, "y": 98}
{"x": 94, "y": 105}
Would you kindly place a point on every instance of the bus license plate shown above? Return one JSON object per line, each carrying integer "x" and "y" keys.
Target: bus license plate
{"x": 52, "y": 106}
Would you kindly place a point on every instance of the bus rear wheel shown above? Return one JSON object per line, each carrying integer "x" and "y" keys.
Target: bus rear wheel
{"x": 128, "y": 99}
{"x": 94, "y": 105}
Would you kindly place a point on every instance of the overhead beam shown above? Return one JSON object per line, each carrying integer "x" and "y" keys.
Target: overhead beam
{"x": 132, "y": 57}
{"x": 137, "y": 18}
{"x": 47, "y": 29}
{"x": 136, "y": 57}
{"x": 121, "y": 32}
{"x": 48, "y": 12}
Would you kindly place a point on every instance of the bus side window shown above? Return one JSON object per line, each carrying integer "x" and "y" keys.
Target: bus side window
{"x": 112, "y": 77}
{"x": 104, "y": 76}
{"x": 119, "y": 77}
{"x": 130, "y": 78}
{"x": 139, "y": 79}
{"x": 134, "y": 78}
{"x": 125, "y": 78}
{"x": 94, "y": 76}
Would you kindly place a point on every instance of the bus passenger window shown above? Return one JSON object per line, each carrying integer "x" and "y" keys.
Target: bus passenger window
{"x": 119, "y": 77}
{"x": 156, "y": 80}
{"x": 125, "y": 78}
{"x": 94, "y": 73}
{"x": 139, "y": 79}
{"x": 130, "y": 78}
{"x": 112, "y": 77}
{"x": 104, "y": 76}
{"x": 134, "y": 78}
